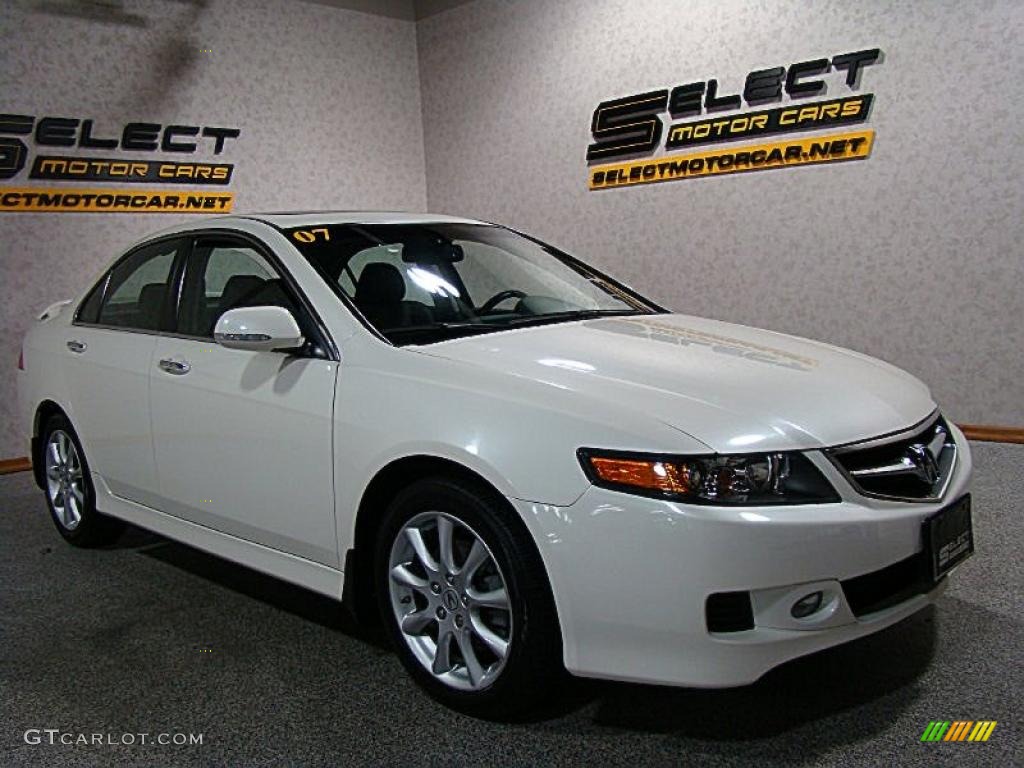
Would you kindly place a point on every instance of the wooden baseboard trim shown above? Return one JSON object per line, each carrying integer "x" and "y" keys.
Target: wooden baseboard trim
{"x": 988, "y": 434}
{"x": 8, "y": 466}
{"x": 979, "y": 432}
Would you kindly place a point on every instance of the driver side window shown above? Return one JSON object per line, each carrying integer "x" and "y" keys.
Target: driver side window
{"x": 225, "y": 274}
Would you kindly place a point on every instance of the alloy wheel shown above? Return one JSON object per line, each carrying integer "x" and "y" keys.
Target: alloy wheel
{"x": 65, "y": 484}
{"x": 450, "y": 600}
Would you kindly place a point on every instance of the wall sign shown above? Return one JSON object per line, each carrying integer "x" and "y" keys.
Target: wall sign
{"x": 632, "y": 127}
{"x": 112, "y": 167}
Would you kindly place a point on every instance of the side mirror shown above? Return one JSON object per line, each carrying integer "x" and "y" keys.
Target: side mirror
{"x": 258, "y": 329}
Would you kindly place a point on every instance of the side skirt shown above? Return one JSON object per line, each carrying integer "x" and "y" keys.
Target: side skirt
{"x": 297, "y": 570}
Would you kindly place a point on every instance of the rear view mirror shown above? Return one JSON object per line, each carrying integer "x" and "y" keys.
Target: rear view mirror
{"x": 258, "y": 329}
{"x": 435, "y": 252}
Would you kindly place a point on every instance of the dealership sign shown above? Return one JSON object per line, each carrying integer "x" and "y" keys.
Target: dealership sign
{"x": 630, "y": 129}
{"x": 51, "y": 137}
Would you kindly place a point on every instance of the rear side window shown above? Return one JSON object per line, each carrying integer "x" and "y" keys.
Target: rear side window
{"x": 137, "y": 288}
{"x": 90, "y": 309}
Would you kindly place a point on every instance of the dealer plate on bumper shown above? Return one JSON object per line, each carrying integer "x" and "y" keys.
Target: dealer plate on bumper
{"x": 949, "y": 537}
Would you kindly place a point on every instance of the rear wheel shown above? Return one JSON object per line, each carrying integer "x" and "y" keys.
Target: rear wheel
{"x": 466, "y": 601}
{"x": 69, "y": 491}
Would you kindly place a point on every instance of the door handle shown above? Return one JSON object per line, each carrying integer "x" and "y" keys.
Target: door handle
{"x": 177, "y": 367}
{"x": 76, "y": 346}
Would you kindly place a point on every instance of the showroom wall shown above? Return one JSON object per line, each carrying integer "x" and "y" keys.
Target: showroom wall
{"x": 914, "y": 254}
{"x": 326, "y": 101}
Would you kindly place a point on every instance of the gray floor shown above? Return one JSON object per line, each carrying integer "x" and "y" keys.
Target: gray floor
{"x": 151, "y": 636}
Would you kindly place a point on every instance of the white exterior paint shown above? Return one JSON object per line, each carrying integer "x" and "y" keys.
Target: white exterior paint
{"x": 656, "y": 562}
{"x": 264, "y": 459}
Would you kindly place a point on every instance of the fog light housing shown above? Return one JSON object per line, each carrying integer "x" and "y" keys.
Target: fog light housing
{"x": 807, "y": 605}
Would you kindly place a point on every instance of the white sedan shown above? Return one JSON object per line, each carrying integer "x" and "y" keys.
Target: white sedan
{"x": 518, "y": 463}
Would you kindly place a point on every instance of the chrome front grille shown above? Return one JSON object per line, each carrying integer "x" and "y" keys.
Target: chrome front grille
{"x": 914, "y": 465}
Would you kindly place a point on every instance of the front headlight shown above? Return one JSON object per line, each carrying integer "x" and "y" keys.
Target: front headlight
{"x": 750, "y": 479}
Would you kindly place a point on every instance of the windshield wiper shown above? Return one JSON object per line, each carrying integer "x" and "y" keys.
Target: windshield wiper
{"x": 430, "y": 332}
{"x": 576, "y": 314}
{"x": 447, "y": 330}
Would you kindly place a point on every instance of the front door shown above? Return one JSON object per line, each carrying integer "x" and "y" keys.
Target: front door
{"x": 243, "y": 440}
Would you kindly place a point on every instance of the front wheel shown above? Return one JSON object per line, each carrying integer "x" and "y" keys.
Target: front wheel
{"x": 466, "y": 600}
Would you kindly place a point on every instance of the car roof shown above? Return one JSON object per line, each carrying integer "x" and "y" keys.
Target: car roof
{"x": 289, "y": 219}
{"x": 286, "y": 219}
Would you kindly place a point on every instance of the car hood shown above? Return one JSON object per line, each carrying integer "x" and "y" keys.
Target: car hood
{"x": 734, "y": 388}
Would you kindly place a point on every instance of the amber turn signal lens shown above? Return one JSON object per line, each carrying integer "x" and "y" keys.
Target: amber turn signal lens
{"x": 652, "y": 475}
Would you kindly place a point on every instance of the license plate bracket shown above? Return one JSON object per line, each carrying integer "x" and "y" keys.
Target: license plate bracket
{"x": 949, "y": 537}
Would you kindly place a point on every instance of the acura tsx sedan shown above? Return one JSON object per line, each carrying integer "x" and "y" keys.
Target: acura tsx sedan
{"x": 518, "y": 464}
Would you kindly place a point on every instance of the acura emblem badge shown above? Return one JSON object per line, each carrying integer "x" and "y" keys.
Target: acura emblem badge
{"x": 924, "y": 463}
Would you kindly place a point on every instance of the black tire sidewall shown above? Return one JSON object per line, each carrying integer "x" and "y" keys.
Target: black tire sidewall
{"x": 535, "y": 656}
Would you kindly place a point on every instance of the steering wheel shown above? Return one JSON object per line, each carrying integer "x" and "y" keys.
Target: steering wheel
{"x": 497, "y": 298}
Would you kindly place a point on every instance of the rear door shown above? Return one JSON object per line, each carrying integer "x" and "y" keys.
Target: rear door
{"x": 243, "y": 440}
{"x": 109, "y": 349}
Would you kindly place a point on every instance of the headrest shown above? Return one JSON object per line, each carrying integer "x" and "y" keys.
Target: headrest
{"x": 152, "y": 295}
{"x": 380, "y": 283}
{"x": 236, "y": 288}
{"x": 151, "y": 303}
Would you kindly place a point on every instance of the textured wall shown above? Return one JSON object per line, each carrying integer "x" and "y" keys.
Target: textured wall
{"x": 914, "y": 255}
{"x": 327, "y": 101}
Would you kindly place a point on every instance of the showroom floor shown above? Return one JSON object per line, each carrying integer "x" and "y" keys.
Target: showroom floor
{"x": 151, "y": 636}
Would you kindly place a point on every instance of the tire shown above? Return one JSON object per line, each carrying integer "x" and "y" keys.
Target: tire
{"x": 70, "y": 495}
{"x": 491, "y": 555}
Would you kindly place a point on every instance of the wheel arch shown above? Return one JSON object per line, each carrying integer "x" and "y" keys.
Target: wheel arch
{"x": 44, "y": 411}
{"x": 358, "y": 589}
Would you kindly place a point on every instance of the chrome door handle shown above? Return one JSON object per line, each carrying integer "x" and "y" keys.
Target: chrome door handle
{"x": 177, "y": 367}
{"x": 76, "y": 346}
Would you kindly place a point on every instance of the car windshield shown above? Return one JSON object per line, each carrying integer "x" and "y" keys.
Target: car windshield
{"x": 424, "y": 283}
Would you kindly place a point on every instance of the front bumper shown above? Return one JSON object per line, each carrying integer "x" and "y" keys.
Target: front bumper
{"x": 631, "y": 577}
